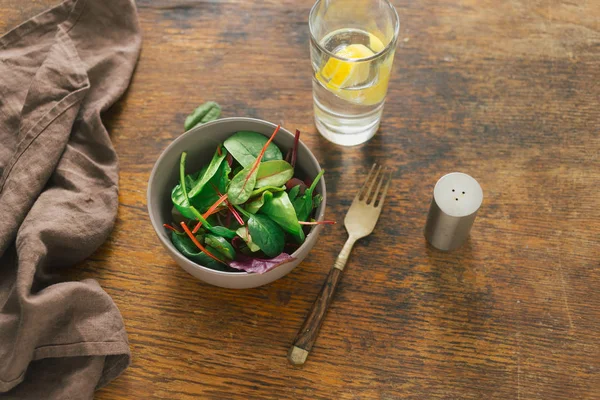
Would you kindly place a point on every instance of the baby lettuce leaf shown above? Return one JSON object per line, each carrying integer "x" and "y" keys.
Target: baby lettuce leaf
{"x": 179, "y": 194}
{"x": 208, "y": 195}
{"x": 184, "y": 245}
{"x": 273, "y": 173}
{"x": 266, "y": 234}
{"x": 245, "y": 235}
{"x": 215, "y": 174}
{"x": 221, "y": 245}
{"x": 293, "y": 194}
{"x": 252, "y": 206}
{"x": 192, "y": 253}
{"x": 211, "y": 170}
{"x": 279, "y": 208}
{"x": 206, "y": 112}
{"x": 317, "y": 200}
{"x": 180, "y": 201}
{"x": 214, "y": 229}
{"x": 304, "y": 204}
{"x": 213, "y": 264}
{"x": 259, "y": 265}
{"x": 245, "y": 147}
{"x": 182, "y": 174}
{"x": 222, "y": 231}
{"x": 272, "y": 189}
{"x": 242, "y": 184}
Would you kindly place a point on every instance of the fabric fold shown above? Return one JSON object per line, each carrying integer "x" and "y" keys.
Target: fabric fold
{"x": 59, "y": 72}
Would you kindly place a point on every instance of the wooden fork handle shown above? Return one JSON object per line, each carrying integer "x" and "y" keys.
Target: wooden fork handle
{"x": 307, "y": 335}
{"x": 310, "y": 329}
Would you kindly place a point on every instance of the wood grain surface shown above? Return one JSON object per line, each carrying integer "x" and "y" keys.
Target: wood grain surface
{"x": 505, "y": 90}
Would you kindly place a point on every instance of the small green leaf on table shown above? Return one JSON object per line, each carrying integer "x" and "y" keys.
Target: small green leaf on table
{"x": 204, "y": 113}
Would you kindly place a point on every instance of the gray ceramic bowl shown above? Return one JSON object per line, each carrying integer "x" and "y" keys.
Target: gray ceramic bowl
{"x": 200, "y": 144}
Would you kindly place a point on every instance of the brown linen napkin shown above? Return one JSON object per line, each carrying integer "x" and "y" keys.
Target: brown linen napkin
{"x": 58, "y": 196}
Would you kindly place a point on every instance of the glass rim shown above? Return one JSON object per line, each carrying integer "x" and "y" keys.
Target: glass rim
{"x": 388, "y": 47}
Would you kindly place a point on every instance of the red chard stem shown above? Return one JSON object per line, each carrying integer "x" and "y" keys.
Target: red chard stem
{"x": 295, "y": 149}
{"x": 262, "y": 153}
{"x": 211, "y": 210}
{"x": 171, "y": 228}
{"x": 197, "y": 243}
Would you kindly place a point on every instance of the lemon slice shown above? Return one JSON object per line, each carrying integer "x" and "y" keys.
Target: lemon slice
{"x": 375, "y": 44}
{"x": 339, "y": 75}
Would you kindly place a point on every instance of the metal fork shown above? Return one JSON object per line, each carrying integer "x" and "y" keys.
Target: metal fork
{"x": 359, "y": 222}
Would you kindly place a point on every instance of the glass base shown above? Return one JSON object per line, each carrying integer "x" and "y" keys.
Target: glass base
{"x": 347, "y": 130}
{"x": 345, "y": 139}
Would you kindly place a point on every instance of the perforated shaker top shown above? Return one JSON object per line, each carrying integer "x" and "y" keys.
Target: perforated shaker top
{"x": 456, "y": 200}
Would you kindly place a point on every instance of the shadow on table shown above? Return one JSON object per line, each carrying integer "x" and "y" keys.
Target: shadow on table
{"x": 335, "y": 157}
{"x": 458, "y": 287}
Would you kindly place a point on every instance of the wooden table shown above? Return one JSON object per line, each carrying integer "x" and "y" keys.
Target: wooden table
{"x": 506, "y": 91}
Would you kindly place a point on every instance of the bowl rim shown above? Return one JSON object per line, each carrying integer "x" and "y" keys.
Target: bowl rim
{"x": 320, "y": 215}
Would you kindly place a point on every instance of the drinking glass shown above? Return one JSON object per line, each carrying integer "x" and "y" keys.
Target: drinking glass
{"x": 352, "y": 44}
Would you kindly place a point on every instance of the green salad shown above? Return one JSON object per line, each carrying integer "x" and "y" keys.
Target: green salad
{"x": 247, "y": 209}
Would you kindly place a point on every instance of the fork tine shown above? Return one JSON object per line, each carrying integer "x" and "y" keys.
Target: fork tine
{"x": 361, "y": 192}
{"x": 379, "y": 202}
{"x": 369, "y": 191}
{"x": 381, "y": 178}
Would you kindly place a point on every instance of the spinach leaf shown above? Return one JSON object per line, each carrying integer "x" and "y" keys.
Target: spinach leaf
{"x": 189, "y": 250}
{"x": 182, "y": 174}
{"x": 179, "y": 195}
{"x": 245, "y": 146}
{"x": 294, "y": 192}
{"x": 317, "y": 200}
{"x": 254, "y": 205}
{"x": 237, "y": 169}
{"x": 216, "y": 230}
{"x": 242, "y": 184}
{"x": 273, "y": 173}
{"x": 221, "y": 231}
{"x": 221, "y": 245}
{"x": 185, "y": 245}
{"x": 303, "y": 207}
{"x": 208, "y": 195}
{"x": 266, "y": 234}
{"x": 245, "y": 235}
{"x": 180, "y": 202}
{"x": 304, "y": 204}
{"x": 208, "y": 174}
{"x": 212, "y": 263}
{"x": 272, "y": 189}
{"x": 279, "y": 208}
{"x": 206, "y": 112}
